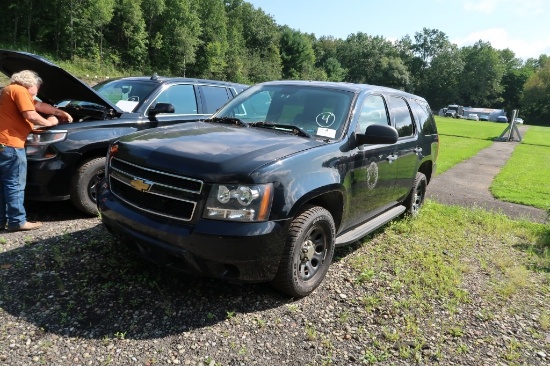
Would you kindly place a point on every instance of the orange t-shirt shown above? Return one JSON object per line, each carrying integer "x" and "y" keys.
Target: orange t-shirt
{"x": 14, "y": 128}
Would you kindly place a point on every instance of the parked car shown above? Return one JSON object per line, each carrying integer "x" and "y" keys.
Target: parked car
{"x": 450, "y": 113}
{"x": 66, "y": 161}
{"x": 483, "y": 117}
{"x": 502, "y": 119}
{"x": 473, "y": 117}
{"x": 266, "y": 188}
{"x": 518, "y": 120}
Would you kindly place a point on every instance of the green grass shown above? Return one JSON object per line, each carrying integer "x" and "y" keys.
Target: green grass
{"x": 453, "y": 150}
{"x": 429, "y": 264}
{"x": 525, "y": 178}
{"x": 461, "y": 139}
{"x": 471, "y": 129}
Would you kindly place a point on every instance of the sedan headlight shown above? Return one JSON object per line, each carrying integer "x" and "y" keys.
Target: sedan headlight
{"x": 38, "y": 142}
{"x": 238, "y": 202}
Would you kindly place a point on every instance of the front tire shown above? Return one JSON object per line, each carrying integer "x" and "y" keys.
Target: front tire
{"x": 308, "y": 252}
{"x": 83, "y": 185}
{"x": 415, "y": 199}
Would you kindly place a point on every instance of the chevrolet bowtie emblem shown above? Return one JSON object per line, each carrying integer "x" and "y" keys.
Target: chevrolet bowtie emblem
{"x": 141, "y": 184}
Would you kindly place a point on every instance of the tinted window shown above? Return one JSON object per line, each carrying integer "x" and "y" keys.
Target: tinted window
{"x": 373, "y": 111}
{"x": 425, "y": 117}
{"x": 401, "y": 116}
{"x": 182, "y": 96}
{"x": 214, "y": 97}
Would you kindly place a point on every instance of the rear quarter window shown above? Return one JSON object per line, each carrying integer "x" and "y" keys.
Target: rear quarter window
{"x": 401, "y": 116}
{"x": 425, "y": 118}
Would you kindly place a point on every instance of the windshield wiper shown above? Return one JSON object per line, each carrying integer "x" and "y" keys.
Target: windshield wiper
{"x": 277, "y": 126}
{"x": 229, "y": 120}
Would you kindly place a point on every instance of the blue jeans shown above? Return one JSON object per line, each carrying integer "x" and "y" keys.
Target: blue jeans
{"x": 13, "y": 177}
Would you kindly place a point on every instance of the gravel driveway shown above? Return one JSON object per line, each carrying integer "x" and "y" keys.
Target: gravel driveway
{"x": 70, "y": 296}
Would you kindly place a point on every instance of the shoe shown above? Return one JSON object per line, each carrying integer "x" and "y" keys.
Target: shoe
{"x": 26, "y": 226}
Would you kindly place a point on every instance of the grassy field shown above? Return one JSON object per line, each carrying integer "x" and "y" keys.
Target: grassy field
{"x": 452, "y": 260}
{"x": 525, "y": 178}
{"x": 461, "y": 139}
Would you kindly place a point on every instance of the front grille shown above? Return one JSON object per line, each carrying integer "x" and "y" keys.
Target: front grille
{"x": 154, "y": 192}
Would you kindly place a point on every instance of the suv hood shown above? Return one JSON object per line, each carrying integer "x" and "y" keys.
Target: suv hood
{"x": 58, "y": 84}
{"x": 210, "y": 150}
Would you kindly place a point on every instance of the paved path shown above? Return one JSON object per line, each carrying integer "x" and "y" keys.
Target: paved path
{"x": 467, "y": 184}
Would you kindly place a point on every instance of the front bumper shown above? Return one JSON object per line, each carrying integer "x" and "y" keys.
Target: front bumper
{"x": 50, "y": 180}
{"x": 243, "y": 252}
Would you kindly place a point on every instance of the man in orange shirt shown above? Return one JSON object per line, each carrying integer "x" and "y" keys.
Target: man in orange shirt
{"x": 18, "y": 116}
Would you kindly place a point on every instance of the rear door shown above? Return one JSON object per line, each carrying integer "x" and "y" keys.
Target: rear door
{"x": 408, "y": 149}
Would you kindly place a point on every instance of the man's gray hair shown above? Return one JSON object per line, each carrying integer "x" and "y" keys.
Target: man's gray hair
{"x": 26, "y": 78}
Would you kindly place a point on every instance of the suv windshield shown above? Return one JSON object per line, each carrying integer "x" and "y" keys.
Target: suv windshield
{"x": 320, "y": 112}
{"x": 126, "y": 94}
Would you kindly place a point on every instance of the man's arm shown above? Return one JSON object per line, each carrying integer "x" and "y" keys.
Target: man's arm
{"x": 37, "y": 119}
{"x": 61, "y": 115}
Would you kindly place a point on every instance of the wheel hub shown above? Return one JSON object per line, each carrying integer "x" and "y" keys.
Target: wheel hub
{"x": 308, "y": 250}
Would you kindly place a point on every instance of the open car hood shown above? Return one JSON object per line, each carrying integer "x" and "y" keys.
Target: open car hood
{"x": 58, "y": 85}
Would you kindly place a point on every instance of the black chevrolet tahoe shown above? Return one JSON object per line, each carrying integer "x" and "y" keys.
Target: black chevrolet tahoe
{"x": 66, "y": 161}
{"x": 266, "y": 188}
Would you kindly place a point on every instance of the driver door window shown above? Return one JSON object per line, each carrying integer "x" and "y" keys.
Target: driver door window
{"x": 372, "y": 112}
{"x": 182, "y": 97}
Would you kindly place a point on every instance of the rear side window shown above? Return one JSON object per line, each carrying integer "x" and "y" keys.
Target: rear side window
{"x": 214, "y": 97}
{"x": 425, "y": 117}
{"x": 401, "y": 116}
{"x": 373, "y": 111}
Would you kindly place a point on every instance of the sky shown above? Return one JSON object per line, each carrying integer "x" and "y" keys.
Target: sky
{"x": 520, "y": 25}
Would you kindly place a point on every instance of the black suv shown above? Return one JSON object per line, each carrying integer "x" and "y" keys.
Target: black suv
{"x": 68, "y": 160}
{"x": 266, "y": 188}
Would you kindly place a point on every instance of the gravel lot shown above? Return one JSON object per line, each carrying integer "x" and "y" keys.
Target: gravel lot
{"x": 70, "y": 296}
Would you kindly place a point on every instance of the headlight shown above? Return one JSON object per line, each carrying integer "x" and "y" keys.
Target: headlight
{"x": 38, "y": 142}
{"x": 234, "y": 202}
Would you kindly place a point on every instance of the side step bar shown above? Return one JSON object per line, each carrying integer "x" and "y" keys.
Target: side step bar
{"x": 369, "y": 226}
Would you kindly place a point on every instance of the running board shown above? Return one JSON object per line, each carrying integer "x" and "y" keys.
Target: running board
{"x": 369, "y": 226}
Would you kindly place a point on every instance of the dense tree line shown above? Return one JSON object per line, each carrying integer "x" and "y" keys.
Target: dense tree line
{"x": 232, "y": 40}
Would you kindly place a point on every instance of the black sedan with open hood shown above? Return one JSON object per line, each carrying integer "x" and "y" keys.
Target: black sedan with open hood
{"x": 67, "y": 161}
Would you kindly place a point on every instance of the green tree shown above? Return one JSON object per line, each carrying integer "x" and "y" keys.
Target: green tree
{"x": 513, "y": 80}
{"x": 536, "y": 96}
{"x": 236, "y": 63}
{"x": 298, "y": 58}
{"x": 128, "y": 35}
{"x": 261, "y": 35}
{"x": 373, "y": 60}
{"x": 418, "y": 55}
{"x": 326, "y": 58}
{"x": 481, "y": 81}
{"x": 213, "y": 47}
{"x": 441, "y": 80}
{"x": 153, "y": 11}
{"x": 180, "y": 33}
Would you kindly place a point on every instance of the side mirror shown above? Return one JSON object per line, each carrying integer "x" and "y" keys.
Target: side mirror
{"x": 161, "y": 108}
{"x": 378, "y": 134}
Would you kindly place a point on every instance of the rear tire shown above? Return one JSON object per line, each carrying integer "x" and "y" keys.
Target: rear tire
{"x": 415, "y": 199}
{"x": 83, "y": 185}
{"x": 308, "y": 252}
